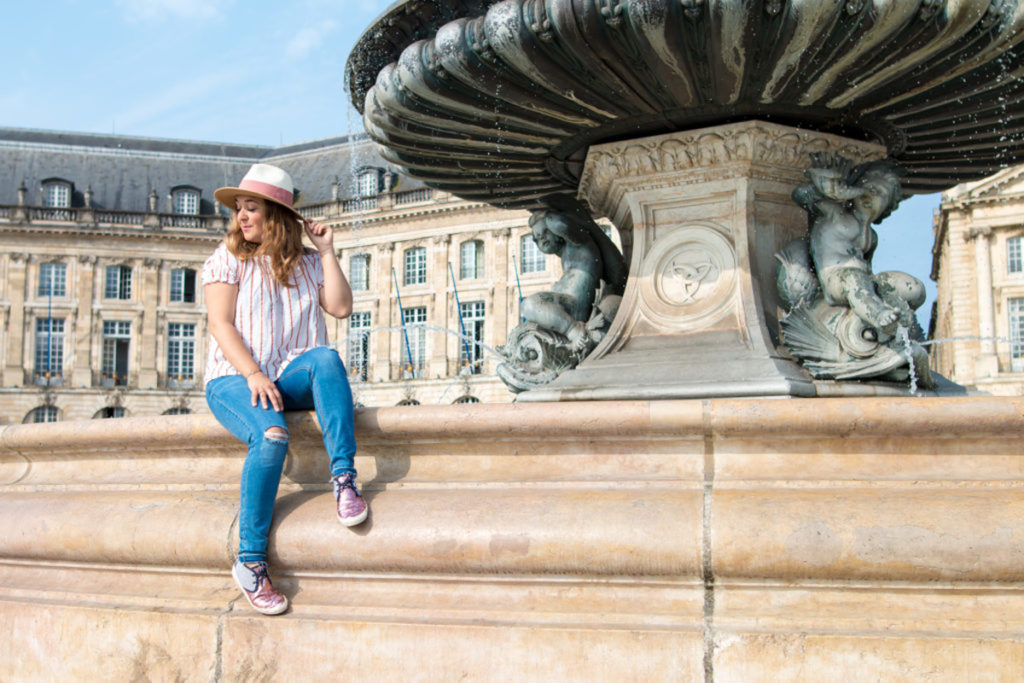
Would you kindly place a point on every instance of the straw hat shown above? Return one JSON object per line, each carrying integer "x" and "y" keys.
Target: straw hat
{"x": 262, "y": 180}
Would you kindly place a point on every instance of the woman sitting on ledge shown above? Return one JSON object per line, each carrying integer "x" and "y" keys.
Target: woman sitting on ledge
{"x": 265, "y": 297}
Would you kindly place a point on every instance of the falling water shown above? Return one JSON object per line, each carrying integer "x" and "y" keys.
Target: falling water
{"x": 903, "y": 337}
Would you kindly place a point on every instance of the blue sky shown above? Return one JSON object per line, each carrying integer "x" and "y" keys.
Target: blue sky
{"x": 248, "y": 72}
{"x": 219, "y": 70}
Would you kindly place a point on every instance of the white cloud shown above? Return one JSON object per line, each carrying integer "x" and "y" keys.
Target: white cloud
{"x": 308, "y": 39}
{"x": 157, "y": 10}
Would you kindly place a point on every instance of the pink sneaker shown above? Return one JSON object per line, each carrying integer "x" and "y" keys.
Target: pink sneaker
{"x": 352, "y": 508}
{"x": 255, "y": 584}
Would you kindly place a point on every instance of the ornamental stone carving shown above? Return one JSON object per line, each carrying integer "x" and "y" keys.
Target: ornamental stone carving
{"x": 688, "y": 279}
{"x": 704, "y": 154}
{"x": 562, "y": 326}
{"x": 844, "y": 321}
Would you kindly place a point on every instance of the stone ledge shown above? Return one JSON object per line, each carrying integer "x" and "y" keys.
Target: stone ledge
{"x": 642, "y": 540}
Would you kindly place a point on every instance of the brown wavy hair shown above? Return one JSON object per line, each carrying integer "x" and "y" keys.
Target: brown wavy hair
{"x": 282, "y": 241}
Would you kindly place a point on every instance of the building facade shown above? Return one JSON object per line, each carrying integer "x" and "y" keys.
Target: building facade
{"x": 102, "y": 241}
{"x": 978, "y": 263}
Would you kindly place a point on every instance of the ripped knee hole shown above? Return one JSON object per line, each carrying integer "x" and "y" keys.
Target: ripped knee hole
{"x": 276, "y": 434}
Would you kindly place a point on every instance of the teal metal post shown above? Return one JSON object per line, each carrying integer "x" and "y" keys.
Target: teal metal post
{"x": 401, "y": 312}
{"x": 515, "y": 269}
{"x": 458, "y": 306}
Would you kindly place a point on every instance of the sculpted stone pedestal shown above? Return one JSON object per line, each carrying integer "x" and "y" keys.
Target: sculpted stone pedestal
{"x": 703, "y": 213}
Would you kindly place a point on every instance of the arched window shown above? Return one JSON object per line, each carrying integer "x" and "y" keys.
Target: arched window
{"x": 472, "y": 316}
{"x": 56, "y": 199}
{"x": 118, "y": 283}
{"x": 183, "y": 285}
{"x": 42, "y": 414}
{"x": 56, "y": 193}
{"x": 467, "y": 399}
{"x": 117, "y": 337}
{"x": 49, "y": 351}
{"x": 53, "y": 279}
{"x": 359, "y": 345}
{"x": 185, "y": 200}
{"x": 408, "y": 402}
{"x": 413, "y": 349}
{"x": 368, "y": 182}
{"x": 532, "y": 258}
{"x": 415, "y": 266}
{"x": 181, "y": 351}
{"x": 359, "y": 272}
{"x": 1015, "y": 255}
{"x": 108, "y": 412}
{"x": 177, "y": 411}
{"x": 1016, "y": 313}
{"x": 471, "y": 260}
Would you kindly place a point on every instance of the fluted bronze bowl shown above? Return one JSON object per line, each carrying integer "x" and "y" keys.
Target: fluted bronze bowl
{"x": 499, "y": 101}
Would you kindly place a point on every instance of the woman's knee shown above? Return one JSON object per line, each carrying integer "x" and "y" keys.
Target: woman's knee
{"x": 271, "y": 447}
{"x": 326, "y": 359}
{"x": 273, "y": 436}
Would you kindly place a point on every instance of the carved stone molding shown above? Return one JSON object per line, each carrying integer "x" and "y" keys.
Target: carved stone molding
{"x": 18, "y": 256}
{"x": 87, "y": 259}
{"x": 979, "y": 231}
{"x": 707, "y": 154}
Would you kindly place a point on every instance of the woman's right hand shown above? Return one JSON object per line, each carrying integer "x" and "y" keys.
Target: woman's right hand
{"x": 263, "y": 388}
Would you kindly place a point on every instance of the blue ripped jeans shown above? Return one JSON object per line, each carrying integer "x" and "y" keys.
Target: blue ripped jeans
{"x": 316, "y": 379}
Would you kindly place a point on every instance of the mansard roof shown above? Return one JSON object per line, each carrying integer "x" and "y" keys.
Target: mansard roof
{"x": 122, "y": 170}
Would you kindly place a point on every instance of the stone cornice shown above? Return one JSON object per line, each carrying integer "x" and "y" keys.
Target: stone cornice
{"x": 389, "y": 215}
{"x": 103, "y": 231}
{"x": 705, "y": 154}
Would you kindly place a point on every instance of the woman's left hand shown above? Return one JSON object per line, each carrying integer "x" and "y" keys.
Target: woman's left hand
{"x": 321, "y": 235}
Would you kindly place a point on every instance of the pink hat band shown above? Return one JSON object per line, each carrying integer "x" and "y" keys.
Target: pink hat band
{"x": 278, "y": 194}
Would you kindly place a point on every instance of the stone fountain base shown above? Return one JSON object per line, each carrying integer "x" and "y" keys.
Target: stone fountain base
{"x": 671, "y": 540}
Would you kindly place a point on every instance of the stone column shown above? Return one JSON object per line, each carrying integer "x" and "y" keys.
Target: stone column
{"x": 986, "y": 364}
{"x": 81, "y": 373}
{"x": 441, "y": 310}
{"x": 705, "y": 211}
{"x": 17, "y": 367}
{"x": 504, "y": 294}
{"x": 144, "y": 355}
{"x": 381, "y": 341}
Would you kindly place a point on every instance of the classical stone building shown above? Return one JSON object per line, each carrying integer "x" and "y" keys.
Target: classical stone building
{"x": 102, "y": 238}
{"x": 979, "y": 267}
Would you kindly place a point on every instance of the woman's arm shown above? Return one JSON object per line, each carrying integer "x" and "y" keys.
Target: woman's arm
{"x": 336, "y": 295}
{"x": 220, "y": 313}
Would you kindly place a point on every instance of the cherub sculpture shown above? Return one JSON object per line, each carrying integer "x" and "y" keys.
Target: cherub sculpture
{"x": 560, "y": 327}
{"x": 843, "y": 321}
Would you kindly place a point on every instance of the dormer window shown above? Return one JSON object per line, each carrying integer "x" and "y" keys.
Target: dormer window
{"x": 368, "y": 182}
{"x": 185, "y": 201}
{"x": 56, "y": 194}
